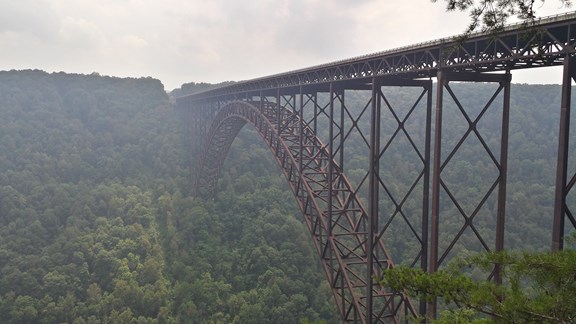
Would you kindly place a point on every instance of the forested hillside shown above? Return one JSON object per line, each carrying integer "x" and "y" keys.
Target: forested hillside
{"x": 98, "y": 223}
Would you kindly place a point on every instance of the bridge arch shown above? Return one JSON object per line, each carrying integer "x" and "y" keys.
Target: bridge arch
{"x": 335, "y": 218}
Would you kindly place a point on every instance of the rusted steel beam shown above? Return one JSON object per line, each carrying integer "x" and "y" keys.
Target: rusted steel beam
{"x": 561, "y": 210}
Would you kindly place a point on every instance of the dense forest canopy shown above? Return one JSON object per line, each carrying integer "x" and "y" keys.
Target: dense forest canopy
{"x": 98, "y": 222}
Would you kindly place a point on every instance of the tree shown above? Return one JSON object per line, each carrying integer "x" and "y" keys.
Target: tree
{"x": 537, "y": 287}
{"x": 492, "y": 15}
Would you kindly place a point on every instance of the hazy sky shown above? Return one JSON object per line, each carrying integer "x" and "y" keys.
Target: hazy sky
{"x": 179, "y": 41}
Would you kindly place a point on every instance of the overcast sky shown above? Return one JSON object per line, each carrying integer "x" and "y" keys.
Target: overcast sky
{"x": 179, "y": 41}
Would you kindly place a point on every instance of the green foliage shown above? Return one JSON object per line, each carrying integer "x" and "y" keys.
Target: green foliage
{"x": 195, "y": 87}
{"x": 97, "y": 226}
{"x": 253, "y": 261}
{"x": 537, "y": 287}
{"x": 492, "y": 15}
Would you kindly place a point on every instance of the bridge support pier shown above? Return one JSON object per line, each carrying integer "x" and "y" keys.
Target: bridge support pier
{"x": 441, "y": 191}
{"x": 380, "y": 221}
{"x": 195, "y": 119}
{"x": 326, "y": 112}
{"x": 563, "y": 186}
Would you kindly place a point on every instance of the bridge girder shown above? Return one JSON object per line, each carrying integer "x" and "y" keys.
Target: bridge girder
{"x": 520, "y": 46}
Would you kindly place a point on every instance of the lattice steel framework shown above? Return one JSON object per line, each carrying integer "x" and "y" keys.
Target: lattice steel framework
{"x": 307, "y": 122}
{"x": 347, "y": 234}
{"x": 440, "y": 250}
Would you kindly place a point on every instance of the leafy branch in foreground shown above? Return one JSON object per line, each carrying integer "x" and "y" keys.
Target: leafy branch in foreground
{"x": 537, "y": 287}
{"x": 492, "y": 15}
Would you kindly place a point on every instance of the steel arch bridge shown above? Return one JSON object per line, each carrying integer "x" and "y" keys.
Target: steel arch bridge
{"x": 307, "y": 120}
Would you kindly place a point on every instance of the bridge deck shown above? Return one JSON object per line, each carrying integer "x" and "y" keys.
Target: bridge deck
{"x": 519, "y": 46}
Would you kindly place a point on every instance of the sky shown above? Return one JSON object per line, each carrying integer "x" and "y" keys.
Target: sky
{"x": 181, "y": 41}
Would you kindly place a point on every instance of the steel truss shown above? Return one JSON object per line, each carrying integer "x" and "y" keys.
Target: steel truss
{"x": 305, "y": 119}
{"x": 467, "y": 216}
{"x": 348, "y": 236}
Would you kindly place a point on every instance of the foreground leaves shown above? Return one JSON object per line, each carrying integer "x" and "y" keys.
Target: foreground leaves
{"x": 537, "y": 287}
{"x": 492, "y": 15}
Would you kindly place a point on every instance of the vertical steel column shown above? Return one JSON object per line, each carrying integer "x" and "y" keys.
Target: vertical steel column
{"x": 331, "y": 156}
{"x": 315, "y": 121}
{"x": 278, "y": 119}
{"x": 436, "y": 183}
{"x": 341, "y": 129}
{"x": 263, "y": 103}
{"x": 202, "y": 118}
{"x": 211, "y": 115}
{"x": 330, "y": 184}
{"x": 191, "y": 130}
{"x": 330, "y": 177}
{"x": 293, "y": 104}
{"x": 426, "y": 188}
{"x": 501, "y": 213}
{"x": 504, "y": 84}
{"x": 301, "y": 132}
{"x": 373, "y": 192}
{"x": 560, "y": 207}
